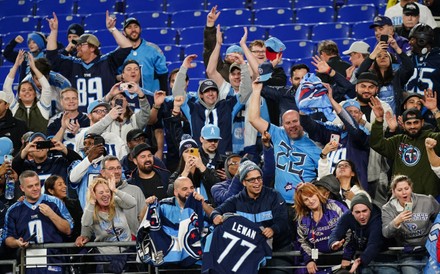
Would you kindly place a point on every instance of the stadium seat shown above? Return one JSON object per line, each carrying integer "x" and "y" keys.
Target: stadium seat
{"x": 180, "y": 5}
{"x": 372, "y": 41}
{"x": 199, "y": 71}
{"x": 287, "y": 32}
{"x": 361, "y": 30}
{"x": 107, "y": 49}
{"x": 234, "y": 17}
{"x": 145, "y": 5}
{"x": 15, "y": 7}
{"x": 261, "y": 4}
{"x": 151, "y": 19}
{"x": 160, "y": 36}
{"x": 193, "y": 85}
{"x": 19, "y": 23}
{"x": 188, "y": 18}
{"x": 356, "y": 13}
{"x": 286, "y": 64}
{"x": 96, "y": 21}
{"x": 315, "y": 14}
{"x": 307, "y": 61}
{"x": 273, "y": 16}
{"x": 324, "y": 31}
{"x": 173, "y": 65}
{"x": 172, "y": 53}
{"x": 376, "y": 3}
{"x": 191, "y": 35}
{"x": 226, "y": 4}
{"x": 7, "y": 37}
{"x": 297, "y": 4}
{"x": 343, "y": 43}
{"x": 89, "y": 7}
{"x": 45, "y": 9}
{"x": 233, "y": 35}
{"x": 298, "y": 49}
{"x": 194, "y": 49}
{"x": 105, "y": 38}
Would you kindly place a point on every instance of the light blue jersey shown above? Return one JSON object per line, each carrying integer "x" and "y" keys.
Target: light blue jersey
{"x": 82, "y": 185}
{"x": 296, "y": 161}
{"x": 152, "y": 62}
{"x": 433, "y": 266}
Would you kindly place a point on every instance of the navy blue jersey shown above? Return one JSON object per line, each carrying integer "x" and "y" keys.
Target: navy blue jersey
{"x": 426, "y": 73}
{"x": 236, "y": 246}
{"x": 94, "y": 80}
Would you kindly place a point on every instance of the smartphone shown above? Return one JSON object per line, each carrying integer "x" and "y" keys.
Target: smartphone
{"x": 8, "y": 158}
{"x": 408, "y": 206}
{"x": 72, "y": 121}
{"x": 44, "y": 144}
{"x": 25, "y": 56}
{"x": 384, "y": 38}
{"x": 31, "y": 238}
{"x": 194, "y": 152}
{"x": 335, "y": 138}
{"x": 119, "y": 102}
{"x": 98, "y": 140}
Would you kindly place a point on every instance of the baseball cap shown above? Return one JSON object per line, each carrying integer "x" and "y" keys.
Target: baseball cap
{"x": 351, "y": 103}
{"x": 273, "y": 47}
{"x": 234, "y": 48}
{"x": 381, "y": 21}
{"x": 265, "y": 70}
{"x": 413, "y": 112}
{"x": 96, "y": 104}
{"x": 135, "y": 133}
{"x": 368, "y": 77}
{"x": 211, "y": 132}
{"x": 409, "y": 95}
{"x": 141, "y": 148}
{"x": 358, "y": 46}
{"x": 4, "y": 97}
{"x": 26, "y": 136}
{"x": 87, "y": 38}
{"x": 207, "y": 84}
{"x": 75, "y": 29}
{"x": 37, "y": 134}
{"x": 234, "y": 66}
{"x": 6, "y": 147}
{"x": 330, "y": 183}
{"x": 130, "y": 20}
{"x": 411, "y": 9}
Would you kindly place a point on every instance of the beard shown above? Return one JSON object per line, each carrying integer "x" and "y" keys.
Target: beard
{"x": 146, "y": 169}
{"x": 414, "y": 135}
{"x": 362, "y": 99}
{"x": 181, "y": 198}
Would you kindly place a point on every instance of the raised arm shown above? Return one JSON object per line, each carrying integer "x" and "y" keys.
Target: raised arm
{"x": 180, "y": 83}
{"x": 254, "y": 108}
{"x": 433, "y": 158}
{"x": 252, "y": 61}
{"x": 211, "y": 69}
{"x": 120, "y": 39}
{"x": 53, "y": 36}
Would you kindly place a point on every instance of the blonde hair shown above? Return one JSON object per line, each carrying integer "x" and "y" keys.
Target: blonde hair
{"x": 112, "y": 208}
{"x": 306, "y": 189}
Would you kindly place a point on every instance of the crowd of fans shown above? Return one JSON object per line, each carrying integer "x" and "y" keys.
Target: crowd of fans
{"x": 114, "y": 148}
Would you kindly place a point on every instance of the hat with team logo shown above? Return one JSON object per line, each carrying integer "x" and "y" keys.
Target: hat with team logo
{"x": 206, "y": 85}
{"x": 351, "y": 103}
{"x": 411, "y": 9}
{"x": 187, "y": 142}
{"x": 273, "y": 47}
{"x": 245, "y": 167}
{"x": 265, "y": 70}
{"x": 380, "y": 21}
{"x": 211, "y": 132}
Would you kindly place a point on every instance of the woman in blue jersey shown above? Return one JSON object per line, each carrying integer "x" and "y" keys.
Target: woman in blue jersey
{"x": 316, "y": 218}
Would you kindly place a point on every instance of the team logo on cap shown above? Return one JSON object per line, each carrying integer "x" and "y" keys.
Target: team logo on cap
{"x": 260, "y": 70}
{"x": 209, "y": 82}
{"x": 377, "y": 18}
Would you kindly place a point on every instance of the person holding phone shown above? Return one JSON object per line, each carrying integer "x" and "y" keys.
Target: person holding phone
{"x": 408, "y": 218}
{"x": 191, "y": 165}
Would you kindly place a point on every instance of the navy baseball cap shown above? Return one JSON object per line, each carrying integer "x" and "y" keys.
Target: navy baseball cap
{"x": 381, "y": 21}
{"x": 265, "y": 70}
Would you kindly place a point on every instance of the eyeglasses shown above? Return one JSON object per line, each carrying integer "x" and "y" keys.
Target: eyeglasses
{"x": 258, "y": 179}
{"x": 259, "y": 51}
{"x": 82, "y": 44}
{"x": 100, "y": 111}
{"x": 118, "y": 168}
{"x": 212, "y": 140}
{"x": 233, "y": 163}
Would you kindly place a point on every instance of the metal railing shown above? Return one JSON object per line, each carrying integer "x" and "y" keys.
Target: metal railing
{"x": 85, "y": 259}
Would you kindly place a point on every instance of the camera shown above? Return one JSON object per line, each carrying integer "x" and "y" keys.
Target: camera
{"x": 119, "y": 102}
{"x": 44, "y": 144}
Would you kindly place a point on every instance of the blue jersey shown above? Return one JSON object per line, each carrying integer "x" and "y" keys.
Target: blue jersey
{"x": 433, "y": 265}
{"x": 82, "y": 186}
{"x": 24, "y": 219}
{"x": 236, "y": 246}
{"x": 296, "y": 161}
{"x": 152, "y": 62}
{"x": 93, "y": 80}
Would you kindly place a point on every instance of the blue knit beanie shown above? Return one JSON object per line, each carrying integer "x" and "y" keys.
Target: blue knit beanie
{"x": 38, "y": 39}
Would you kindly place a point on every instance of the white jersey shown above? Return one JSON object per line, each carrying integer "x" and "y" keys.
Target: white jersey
{"x": 113, "y": 143}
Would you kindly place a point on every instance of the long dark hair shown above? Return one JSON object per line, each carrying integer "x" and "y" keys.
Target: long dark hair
{"x": 49, "y": 184}
{"x": 196, "y": 178}
{"x": 388, "y": 76}
{"x": 354, "y": 179}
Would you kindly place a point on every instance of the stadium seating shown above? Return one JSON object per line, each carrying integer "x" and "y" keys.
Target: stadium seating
{"x": 151, "y": 19}
{"x": 45, "y": 8}
{"x": 64, "y": 21}
{"x": 356, "y": 13}
{"x": 194, "y": 49}
{"x": 361, "y": 30}
{"x": 226, "y": 4}
{"x": 97, "y": 21}
{"x": 180, "y": 5}
{"x": 188, "y": 18}
{"x": 290, "y": 31}
{"x": 145, "y": 5}
{"x": 88, "y": 6}
{"x": 233, "y": 35}
{"x": 315, "y": 3}
{"x": 234, "y": 17}
{"x": 260, "y": 4}
{"x": 298, "y": 49}
{"x": 323, "y": 31}
{"x": 273, "y": 16}
{"x": 172, "y": 53}
{"x": 191, "y": 35}
{"x": 160, "y": 36}
{"x": 315, "y": 14}
{"x": 19, "y": 23}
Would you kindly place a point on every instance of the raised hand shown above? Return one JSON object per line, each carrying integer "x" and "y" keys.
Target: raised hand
{"x": 53, "y": 22}
{"x": 377, "y": 108}
{"x": 212, "y": 16}
{"x": 188, "y": 61}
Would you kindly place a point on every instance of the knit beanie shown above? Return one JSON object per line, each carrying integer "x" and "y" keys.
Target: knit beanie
{"x": 187, "y": 142}
{"x": 247, "y": 166}
{"x": 38, "y": 39}
{"x": 75, "y": 29}
{"x": 360, "y": 198}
